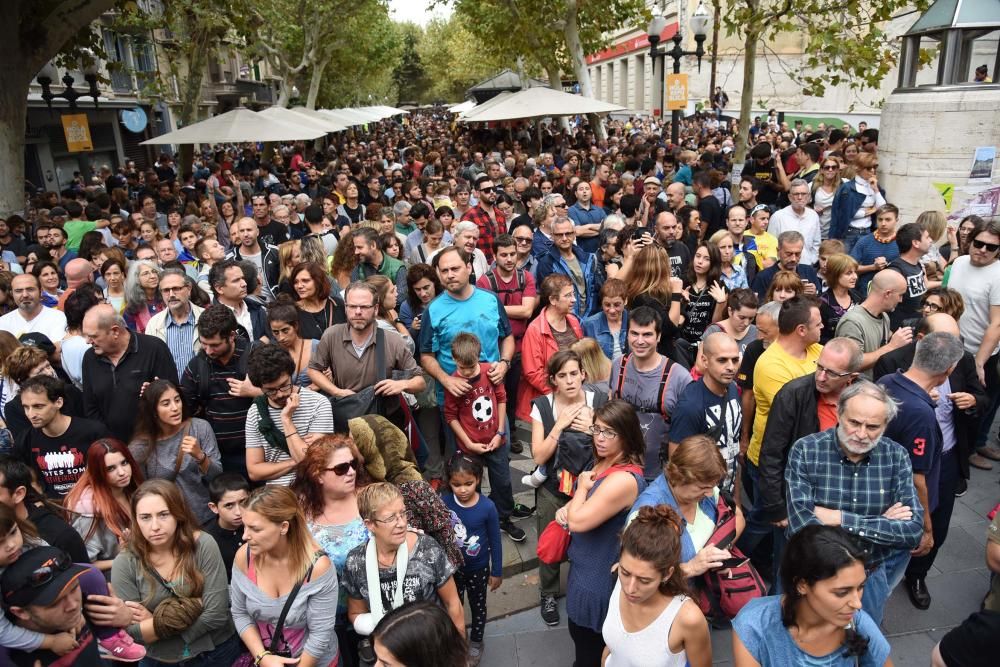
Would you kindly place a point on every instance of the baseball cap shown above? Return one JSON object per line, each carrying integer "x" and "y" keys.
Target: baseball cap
{"x": 58, "y": 211}
{"x": 651, "y": 179}
{"x": 39, "y": 340}
{"x": 39, "y": 577}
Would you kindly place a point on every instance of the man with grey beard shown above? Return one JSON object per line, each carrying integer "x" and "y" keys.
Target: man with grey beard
{"x": 851, "y": 476}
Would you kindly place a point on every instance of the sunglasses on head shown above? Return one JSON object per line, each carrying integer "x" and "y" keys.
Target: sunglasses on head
{"x": 341, "y": 468}
{"x": 981, "y": 245}
{"x": 45, "y": 573}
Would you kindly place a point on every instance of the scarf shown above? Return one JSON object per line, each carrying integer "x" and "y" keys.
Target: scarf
{"x": 266, "y": 426}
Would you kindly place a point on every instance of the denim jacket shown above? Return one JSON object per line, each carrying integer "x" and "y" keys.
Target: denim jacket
{"x": 659, "y": 493}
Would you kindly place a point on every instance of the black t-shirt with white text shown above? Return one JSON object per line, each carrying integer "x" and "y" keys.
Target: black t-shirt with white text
{"x": 61, "y": 461}
{"x": 916, "y": 285}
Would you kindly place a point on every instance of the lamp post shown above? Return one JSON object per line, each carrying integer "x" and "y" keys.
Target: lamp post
{"x": 699, "y": 27}
{"x": 49, "y": 74}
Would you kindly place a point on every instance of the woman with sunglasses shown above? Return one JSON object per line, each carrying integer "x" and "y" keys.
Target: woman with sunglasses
{"x": 326, "y": 483}
{"x": 856, "y": 201}
{"x": 824, "y": 188}
{"x": 171, "y": 575}
{"x": 168, "y": 444}
{"x": 405, "y": 566}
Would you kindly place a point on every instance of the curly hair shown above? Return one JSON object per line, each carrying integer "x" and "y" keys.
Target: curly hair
{"x": 313, "y": 466}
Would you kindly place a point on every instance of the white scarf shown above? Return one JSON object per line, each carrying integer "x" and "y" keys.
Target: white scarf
{"x": 374, "y": 586}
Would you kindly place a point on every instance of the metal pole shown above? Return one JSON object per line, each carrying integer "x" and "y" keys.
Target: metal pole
{"x": 675, "y": 115}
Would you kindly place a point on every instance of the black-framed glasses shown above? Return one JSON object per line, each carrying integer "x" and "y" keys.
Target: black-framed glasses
{"x": 341, "y": 468}
{"x": 981, "y": 245}
{"x": 45, "y": 573}
{"x": 931, "y": 306}
{"x": 832, "y": 373}
{"x": 278, "y": 391}
{"x": 561, "y": 205}
{"x": 606, "y": 432}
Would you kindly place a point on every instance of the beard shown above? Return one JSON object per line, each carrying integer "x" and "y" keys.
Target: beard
{"x": 858, "y": 446}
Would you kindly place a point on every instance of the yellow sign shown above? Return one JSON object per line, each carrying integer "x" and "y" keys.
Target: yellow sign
{"x": 77, "y": 131}
{"x": 677, "y": 92}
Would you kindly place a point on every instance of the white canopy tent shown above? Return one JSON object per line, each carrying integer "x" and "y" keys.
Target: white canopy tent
{"x": 294, "y": 117}
{"x": 467, "y": 105}
{"x": 488, "y": 104}
{"x": 350, "y": 117}
{"x": 536, "y": 103}
{"x": 237, "y": 126}
{"x": 384, "y": 111}
{"x": 322, "y": 120}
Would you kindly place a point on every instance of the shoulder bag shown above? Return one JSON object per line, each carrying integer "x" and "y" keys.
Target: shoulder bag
{"x": 364, "y": 401}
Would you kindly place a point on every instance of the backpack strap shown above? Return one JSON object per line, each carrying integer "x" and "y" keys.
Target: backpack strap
{"x": 522, "y": 282}
{"x": 491, "y": 278}
{"x": 621, "y": 375}
{"x": 664, "y": 378}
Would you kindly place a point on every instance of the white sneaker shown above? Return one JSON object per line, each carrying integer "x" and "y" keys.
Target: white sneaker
{"x": 535, "y": 479}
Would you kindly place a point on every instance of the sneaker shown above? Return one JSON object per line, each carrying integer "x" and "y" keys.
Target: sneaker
{"x": 522, "y": 511}
{"x": 121, "y": 647}
{"x": 550, "y": 610}
{"x": 535, "y": 479}
{"x": 475, "y": 654}
{"x": 516, "y": 447}
{"x": 513, "y": 532}
{"x": 961, "y": 488}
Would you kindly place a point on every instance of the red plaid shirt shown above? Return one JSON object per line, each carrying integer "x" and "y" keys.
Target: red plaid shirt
{"x": 488, "y": 230}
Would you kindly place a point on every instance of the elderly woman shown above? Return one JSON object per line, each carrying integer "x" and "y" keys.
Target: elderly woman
{"x": 326, "y": 483}
{"x": 595, "y": 517}
{"x": 609, "y": 326}
{"x": 690, "y": 485}
{"x": 466, "y": 235}
{"x": 403, "y": 565}
{"x": 142, "y": 294}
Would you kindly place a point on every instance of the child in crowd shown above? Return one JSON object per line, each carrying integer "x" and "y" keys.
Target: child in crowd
{"x": 228, "y": 494}
{"x": 481, "y": 543}
{"x": 874, "y": 251}
{"x": 758, "y": 241}
{"x": 113, "y": 643}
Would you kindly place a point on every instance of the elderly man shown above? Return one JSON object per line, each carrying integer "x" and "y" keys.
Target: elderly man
{"x": 569, "y": 259}
{"x": 851, "y": 476}
{"x": 668, "y": 233}
{"x": 30, "y": 315}
{"x": 176, "y": 325}
{"x": 798, "y": 216}
{"x": 467, "y": 238}
{"x": 791, "y": 246}
{"x": 918, "y": 429}
{"x": 804, "y": 406}
{"x": 117, "y": 368}
{"x": 79, "y": 271}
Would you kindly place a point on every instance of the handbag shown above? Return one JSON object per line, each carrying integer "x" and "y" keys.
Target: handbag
{"x": 280, "y": 625}
{"x": 723, "y": 592}
{"x": 364, "y": 401}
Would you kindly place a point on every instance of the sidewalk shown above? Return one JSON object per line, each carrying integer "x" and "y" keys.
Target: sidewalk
{"x": 516, "y": 636}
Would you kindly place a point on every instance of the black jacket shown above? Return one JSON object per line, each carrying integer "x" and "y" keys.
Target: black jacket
{"x": 963, "y": 379}
{"x": 793, "y": 415}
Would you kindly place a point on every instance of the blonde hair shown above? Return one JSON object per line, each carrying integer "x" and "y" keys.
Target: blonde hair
{"x": 934, "y": 222}
{"x": 593, "y": 361}
{"x": 279, "y": 504}
{"x": 697, "y": 460}
{"x": 374, "y": 497}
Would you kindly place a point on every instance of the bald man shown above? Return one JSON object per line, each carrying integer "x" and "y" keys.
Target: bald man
{"x": 867, "y": 324}
{"x": 675, "y": 196}
{"x": 117, "y": 368}
{"x": 965, "y": 391}
{"x": 712, "y": 405}
{"x": 78, "y": 272}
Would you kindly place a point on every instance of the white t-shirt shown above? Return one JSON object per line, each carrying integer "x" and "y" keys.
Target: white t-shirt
{"x": 980, "y": 289}
{"x": 807, "y": 224}
{"x": 50, "y": 322}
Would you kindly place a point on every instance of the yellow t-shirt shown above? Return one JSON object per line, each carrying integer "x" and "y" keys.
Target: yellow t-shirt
{"x": 761, "y": 246}
{"x": 774, "y": 370}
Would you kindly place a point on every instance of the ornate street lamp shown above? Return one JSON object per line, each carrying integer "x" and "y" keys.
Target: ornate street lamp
{"x": 49, "y": 74}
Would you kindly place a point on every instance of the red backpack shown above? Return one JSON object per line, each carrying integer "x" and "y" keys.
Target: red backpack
{"x": 722, "y": 592}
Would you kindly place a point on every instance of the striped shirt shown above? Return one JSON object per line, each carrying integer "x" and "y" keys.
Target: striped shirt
{"x": 314, "y": 415}
{"x": 820, "y": 474}
{"x": 180, "y": 339}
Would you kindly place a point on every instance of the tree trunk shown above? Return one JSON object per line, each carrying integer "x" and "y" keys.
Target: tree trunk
{"x": 579, "y": 60}
{"x": 315, "y": 80}
{"x": 746, "y": 96}
{"x": 13, "y": 115}
{"x": 555, "y": 83}
{"x": 190, "y": 90}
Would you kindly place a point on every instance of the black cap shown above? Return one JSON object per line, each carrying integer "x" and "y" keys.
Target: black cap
{"x": 58, "y": 211}
{"x": 39, "y": 577}
{"x": 39, "y": 340}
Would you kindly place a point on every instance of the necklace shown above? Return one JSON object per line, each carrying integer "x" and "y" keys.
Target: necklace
{"x": 884, "y": 239}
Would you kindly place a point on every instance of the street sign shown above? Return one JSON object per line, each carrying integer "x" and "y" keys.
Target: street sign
{"x": 677, "y": 92}
{"x": 77, "y": 131}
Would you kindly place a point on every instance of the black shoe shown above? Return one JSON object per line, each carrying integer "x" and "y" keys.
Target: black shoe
{"x": 961, "y": 488}
{"x": 522, "y": 511}
{"x": 919, "y": 595}
{"x": 516, "y": 447}
{"x": 550, "y": 610}
{"x": 513, "y": 532}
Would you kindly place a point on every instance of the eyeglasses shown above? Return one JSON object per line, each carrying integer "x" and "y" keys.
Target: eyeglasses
{"x": 171, "y": 290}
{"x": 353, "y": 306}
{"x": 820, "y": 368}
{"x": 830, "y": 167}
{"x": 561, "y": 205}
{"x": 46, "y": 573}
{"x": 393, "y": 518}
{"x": 604, "y": 432}
{"x": 989, "y": 247}
{"x": 522, "y": 241}
{"x": 341, "y": 468}
{"x": 933, "y": 307}
{"x": 488, "y": 190}
{"x": 277, "y": 391}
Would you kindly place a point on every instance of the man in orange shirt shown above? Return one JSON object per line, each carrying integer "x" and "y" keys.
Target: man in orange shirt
{"x": 599, "y": 184}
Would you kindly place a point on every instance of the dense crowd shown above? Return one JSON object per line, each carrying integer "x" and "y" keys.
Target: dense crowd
{"x": 242, "y": 395}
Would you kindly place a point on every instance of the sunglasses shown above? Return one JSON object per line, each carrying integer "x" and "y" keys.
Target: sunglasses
{"x": 989, "y": 247}
{"x": 830, "y": 167}
{"x": 341, "y": 468}
{"x": 488, "y": 190}
{"x": 45, "y": 573}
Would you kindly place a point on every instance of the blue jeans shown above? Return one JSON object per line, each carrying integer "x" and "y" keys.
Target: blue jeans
{"x": 881, "y": 582}
{"x": 497, "y": 464}
{"x": 851, "y": 237}
{"x": 223, "y": 654}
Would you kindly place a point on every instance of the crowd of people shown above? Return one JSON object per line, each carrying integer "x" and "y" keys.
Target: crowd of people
{"x": 242, "y": 395}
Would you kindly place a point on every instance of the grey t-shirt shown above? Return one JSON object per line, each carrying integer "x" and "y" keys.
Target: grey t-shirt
{"x": 641, "y": 389}
{"x": 865, "y": 329}
{"x": 427, "y": 570}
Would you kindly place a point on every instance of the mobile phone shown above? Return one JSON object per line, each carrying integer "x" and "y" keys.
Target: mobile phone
{"x": 734, "y": 562}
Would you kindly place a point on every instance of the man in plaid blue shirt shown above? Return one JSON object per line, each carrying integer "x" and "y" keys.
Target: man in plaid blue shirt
{"x": 850, "y": 476}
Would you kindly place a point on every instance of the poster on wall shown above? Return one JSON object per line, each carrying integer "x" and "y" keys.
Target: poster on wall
{"x": 77, "y": 131}
{"x": 982, "y": 163}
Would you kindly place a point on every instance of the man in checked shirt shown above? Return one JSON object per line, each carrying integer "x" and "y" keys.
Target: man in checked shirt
{"x": 851, "y": 476}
